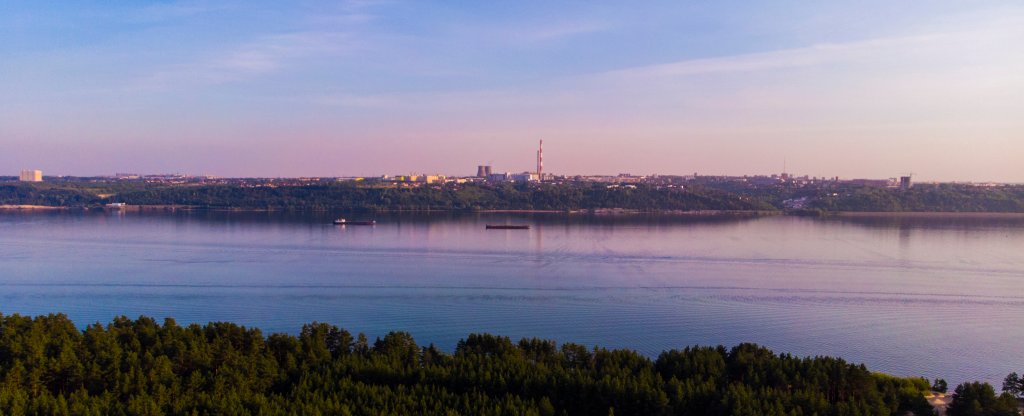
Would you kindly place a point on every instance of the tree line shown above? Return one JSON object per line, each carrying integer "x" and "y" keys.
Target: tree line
{"x": 352, "y": 196}
{"x": 519, "y": 196}
{"x": 924, "y": 198}
{"x": 141, "y": 367}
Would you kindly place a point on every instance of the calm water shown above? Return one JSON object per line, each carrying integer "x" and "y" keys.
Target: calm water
{"x": 929, "y": 297}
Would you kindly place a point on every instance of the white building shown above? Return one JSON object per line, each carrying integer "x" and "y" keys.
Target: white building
{"x": 31, "y": 176}
{"x": 525, "y": 177}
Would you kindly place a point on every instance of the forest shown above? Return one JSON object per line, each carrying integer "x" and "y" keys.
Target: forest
{"x": 925, "y": 198}
{"x": 377, "y": 196}
{"x": 351, "y": 196}
{"x": 48, "y": 366}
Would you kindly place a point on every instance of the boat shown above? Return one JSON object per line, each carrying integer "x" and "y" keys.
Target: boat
{"x": 115, "y": 205}
{"x": 342, "y": 221}
{"x": 507, "y": 227}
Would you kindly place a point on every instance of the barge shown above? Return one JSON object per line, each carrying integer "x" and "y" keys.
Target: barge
{"x": 507, "y": 227}
{"x": 342, "y": 221}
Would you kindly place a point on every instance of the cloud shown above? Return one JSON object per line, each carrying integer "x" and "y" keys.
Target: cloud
{"x": 330, "y": 31}
{"x": 779, "y": 59}
{"x": 920, "y": 82}
{"x": 948, "y": 43}
{"x": 347, "y": 12}
{"x": 266, "y": 55}
{"x": 161, "y": 12}
{"x": 378, "y": 101}
{"x": 524, "y": 34}
{"x": 583, "y": 89}
{"x": 558, "y": 30}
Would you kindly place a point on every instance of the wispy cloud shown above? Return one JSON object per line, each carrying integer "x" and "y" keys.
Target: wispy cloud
{"x": 266, "y": 55}
{"x": 530, "y": 33}
{"x": 580, "y": 89}
{"x": 932, "y": 65}
{"x": 160, "y": 12}
{"x": 948, "y": 42}
{"x": 778, "y": 59}
{"x": 329, "y": 32}
{"x": 558, "y": 30}
{"x": 348, "y": 12}
{"x": 354, "y": 100}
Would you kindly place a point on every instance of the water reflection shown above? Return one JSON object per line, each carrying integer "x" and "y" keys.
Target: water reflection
{"x": 932, "y": 221}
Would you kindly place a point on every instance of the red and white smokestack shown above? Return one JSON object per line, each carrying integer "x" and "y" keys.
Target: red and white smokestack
{"x": 540, "y": 159}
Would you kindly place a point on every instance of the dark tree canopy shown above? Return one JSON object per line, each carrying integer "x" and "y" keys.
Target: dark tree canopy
{"x": 351, "y": 196}
{"x": 142, "y": 367}
{"x": 979, "y": 399}
{"x": 375, "y": 195}
{"x": 1014, "y": 385}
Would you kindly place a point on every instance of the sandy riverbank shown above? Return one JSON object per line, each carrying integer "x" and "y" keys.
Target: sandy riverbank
{"x": 525, "y": 211}
{"x": 30, "y": 207}
{"x": 696, "y": 213}
{"x": 939, "y": 401}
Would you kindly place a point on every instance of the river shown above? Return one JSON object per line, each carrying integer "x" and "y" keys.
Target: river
{"x": 933, "y": 297}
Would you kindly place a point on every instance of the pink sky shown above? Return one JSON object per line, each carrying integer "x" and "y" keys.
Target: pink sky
{"x": 942, "y": 97}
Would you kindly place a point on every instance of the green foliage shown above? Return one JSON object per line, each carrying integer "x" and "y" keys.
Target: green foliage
{"x": 508, "y": 196}
{"x": 1014, "y": 385}
{"x": 925, "y": 198}
{"x": 351, "y": 196}
{"x": 15, "y": 193}
{"x": 141, "y": 367}
{"x": 979, "y": 399}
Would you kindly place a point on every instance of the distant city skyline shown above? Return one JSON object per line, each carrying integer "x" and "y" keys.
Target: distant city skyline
{"x": 520, "y": 176}
{"x": 871, "y": 89}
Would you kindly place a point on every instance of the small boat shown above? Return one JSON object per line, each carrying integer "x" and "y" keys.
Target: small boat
{"x": 507, "y": 227}
{"x": 342, "y": 221}
{"x": 115, "y": 205}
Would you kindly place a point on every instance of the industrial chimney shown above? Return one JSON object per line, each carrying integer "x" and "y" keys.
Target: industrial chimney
{"x": 540, "y": 160}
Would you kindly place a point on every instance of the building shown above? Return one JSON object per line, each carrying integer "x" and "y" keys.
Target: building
{"x": 31, "y": 176}
{"x": 483, "y": 171}
{"x": 872, "y": 183}
{"x": 499, "y": 177}
{"x": 905, "y": 182}
{"x": 524, "y": 177}
{"x": 430, "y": 179}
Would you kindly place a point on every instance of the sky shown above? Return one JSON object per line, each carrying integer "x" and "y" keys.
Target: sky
{"x": 855, "y": 89}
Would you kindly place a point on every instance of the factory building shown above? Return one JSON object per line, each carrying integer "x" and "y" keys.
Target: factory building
{"x": 31, "y": 176}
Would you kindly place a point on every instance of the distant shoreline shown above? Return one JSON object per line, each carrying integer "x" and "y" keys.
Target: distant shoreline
{"x": 569, "y": 198}
{"x": 619, "y": 211}
{"x": 927, "y": 214}
{"x": 525, "y": 211}
{"x": 584, "y": 211}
